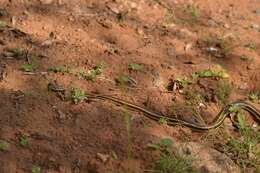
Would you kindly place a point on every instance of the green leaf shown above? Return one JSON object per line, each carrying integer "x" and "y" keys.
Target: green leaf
{"x": 166, "y": 142}
{"x": 4, "y": 146}
{"x": 163, "y": 121}
{"x": 241, "y": 120}
{"x": 78, "y": 95}
{"x": 134, "y": 67}
{"x": 27, "y": 67}
{"x": 233, "y": 109}
{"x": 2, "y": 24}
{"x": 24, "y": 141}
{"x": 36, "y": 169}
{"x": 154, "y": 146}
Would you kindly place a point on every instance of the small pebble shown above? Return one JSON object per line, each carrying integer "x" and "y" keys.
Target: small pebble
{"x": 257, "y": 12}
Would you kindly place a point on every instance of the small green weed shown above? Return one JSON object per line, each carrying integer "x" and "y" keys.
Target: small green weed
{"x": 134, "y": 67}
{"x": 194, "y": 11}
{"x": 183, "y": 82}
{"x": 162, "y": 121}
{"x": 234, "y": 109}
{"x": 169, "y": 161}
{"x": 27, "y": 67}
{"x": 124, "y": 80}
{"x": 244, "y": 150}
{"x": 18, "y": 53}
{"x": 36, "y": 169}
{"x": 59, "y": 69}
{"x": 245, "y": 58}
{"x": 168, "y": 18}
{"x": 174, "y": 163}
{"x": 223, "y": 91}
{"x": 193, "y": 97}
{"x": 254, "y": 97}
{"x": 77, "y": 95}
{"x": 251, "y": 46}
{"x": 4, "y": 146}
{"x": 2, "y": 24}
{"x": 192, "y": 14}
{"x": 24, "y": 141}
{"x": 163, "y": 145}
{"x": 210, "y": 73}
{"x": 97, "y": 70}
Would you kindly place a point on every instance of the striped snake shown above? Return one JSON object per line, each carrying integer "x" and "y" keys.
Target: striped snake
{"x": 173, "y": 121}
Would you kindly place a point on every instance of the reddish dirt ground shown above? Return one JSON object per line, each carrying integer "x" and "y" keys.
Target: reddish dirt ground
{"x": 66, "y": 137}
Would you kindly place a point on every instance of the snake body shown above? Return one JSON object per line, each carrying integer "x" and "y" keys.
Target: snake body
{"x": 173, "y": 121}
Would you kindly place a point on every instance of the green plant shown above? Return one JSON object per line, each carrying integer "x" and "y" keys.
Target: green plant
{"x": 210, "y": 73}
{"x": 134, "y": 67}
{"x": 24, "y": 141}
{"x": 97, "y": 70}
{"x": 183, "y": 82}
{"x": 251, "y": 46}
{"x": 123, "y": 80}
{"x": 162, "y": 121}
{"x": 254, "y": 97}
{"x": 163, "y": 145}
{"x": 36, "y": 169}
{"x": 27, "y": 67}
{"x": 168, "y": 18}
{"x": 194, "y": 97}
{"x": 245, "y": 58}
{"x": 194, "y": 11}
{"x": 4, "y": 146}
{"x": 2, "y": 24}
{"x": 223, "y": 91}
{"x": 17, "y": 52}
{"x": 60, "y": 69}
{"x": 174, "y": 163}
{"x": 244, "y": 150}
{"x": 77, "y": 95}
{"x": 169, "y": 161}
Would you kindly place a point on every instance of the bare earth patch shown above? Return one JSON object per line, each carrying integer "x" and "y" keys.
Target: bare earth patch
{"x": 175, "y": 57}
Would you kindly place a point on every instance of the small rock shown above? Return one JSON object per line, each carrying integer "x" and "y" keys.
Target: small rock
{"x": 103, "y": 157}
{"x": 13, "y": 20}
{"x": 26, "y": 13}
{"x": 47, "y": 43}
{"x": 257, "y": 12}
{"x": 212, "y": 23}
{"x": 226, "y": 26}
{"x": 133, "y": 5}
{"x": 188, "y": 47}
{"x": 185, "y": 33}
{"x": 71, "y": 18}
{"x": 244, "y": 86}
{"x": 254, "y": 26}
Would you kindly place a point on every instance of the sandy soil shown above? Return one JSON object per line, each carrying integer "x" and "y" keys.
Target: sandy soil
{"x": 166, "y": 38}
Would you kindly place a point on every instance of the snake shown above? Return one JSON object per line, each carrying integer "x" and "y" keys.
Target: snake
{"x": 221, "y": 116}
